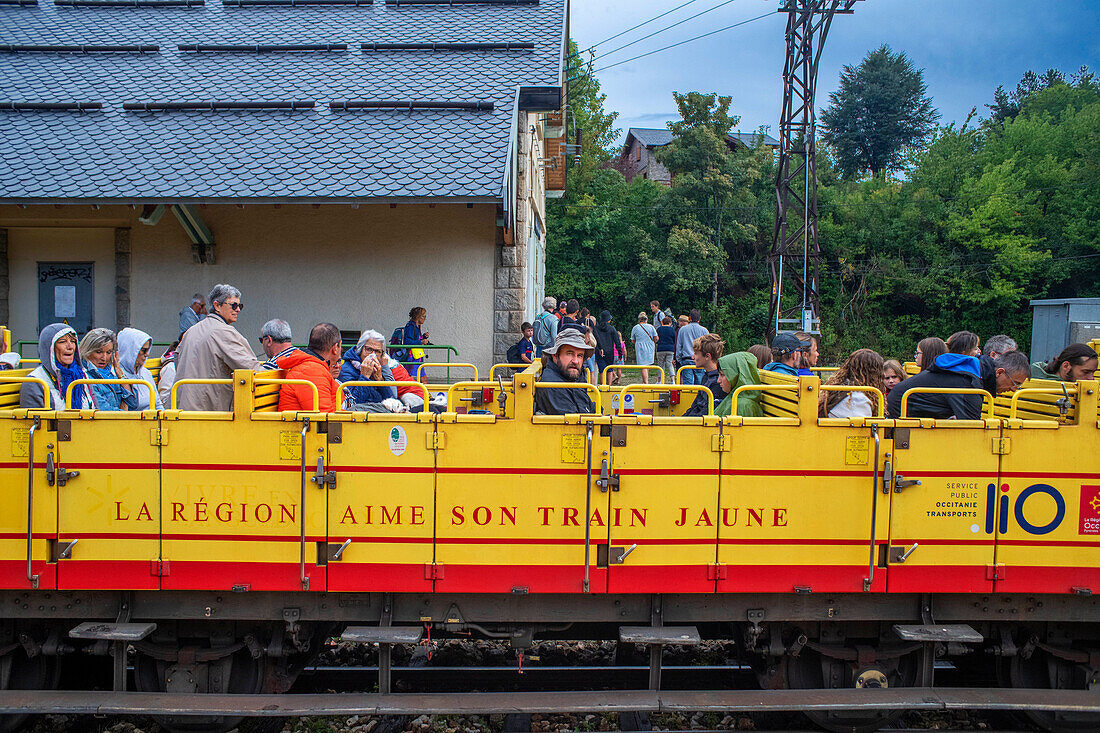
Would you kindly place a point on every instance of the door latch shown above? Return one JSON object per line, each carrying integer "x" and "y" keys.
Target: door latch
{"x": 324, "y": 479}
{"x": 900, "y": 482}
{"x": 607, "y": 480}
{"x": 56, "y": 474}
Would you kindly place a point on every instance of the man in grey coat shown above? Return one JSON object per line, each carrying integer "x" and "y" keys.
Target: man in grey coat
{"x": 212, "y": 349}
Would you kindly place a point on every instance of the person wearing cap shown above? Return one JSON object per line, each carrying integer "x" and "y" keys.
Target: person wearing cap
{"x": 786, "y": 354}
{"x": 562, "y": 363}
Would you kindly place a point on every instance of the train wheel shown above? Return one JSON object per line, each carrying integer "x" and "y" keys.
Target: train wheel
{"x": 1043, "y": 670}
{"x": 811, "y": 670}
{"x": 20, "y": 672}
{"x": 236, "y": 673}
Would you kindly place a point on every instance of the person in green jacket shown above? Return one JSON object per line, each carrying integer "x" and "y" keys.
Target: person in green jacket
{"x": 1076, "y": 362}
{"x": 737, "y": 370}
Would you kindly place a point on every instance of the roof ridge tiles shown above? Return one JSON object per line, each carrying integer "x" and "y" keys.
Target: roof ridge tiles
{"x": 84, "y": 48}
{"x": 449, "y": 46}
{"x": 215, "y": 106}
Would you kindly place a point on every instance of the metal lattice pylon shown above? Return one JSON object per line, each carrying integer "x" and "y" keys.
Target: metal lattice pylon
{"x": 795, "y": 252}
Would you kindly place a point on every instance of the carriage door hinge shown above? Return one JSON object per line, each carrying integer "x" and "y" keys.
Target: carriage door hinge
{"x": 433, "y": 571}
{"x": 995, "y": 571}
{"x": 159, "y": 568}
{"x": 436, "y": 441}
{"x": 720, "y": 443}
{"x": 716, "y": 571}
{"x": 1002, "y": 446}
{"x": 158, "y": 436}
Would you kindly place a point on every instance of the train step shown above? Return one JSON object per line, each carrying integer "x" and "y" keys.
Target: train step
{"x": 383, "y": 634}
{"x": 961, "y": 633}
{"x": 685, "y": 635}
{"x": 112, "y": 631}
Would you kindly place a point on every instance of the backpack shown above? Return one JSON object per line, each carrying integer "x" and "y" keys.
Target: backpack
{"x": 397, "y": 337}
{"x": 512, "y": 356}
{"x": 542, "y": 331}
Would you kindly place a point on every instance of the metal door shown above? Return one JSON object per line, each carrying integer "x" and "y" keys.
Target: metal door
{"x": 938, "y": 478}
{"x": 1045, "y": 509}
{"x": 796, "y": 512}
{"x": 232, "y": 503}
{"x": 511, "y": 503}
{"x": 664, "y": 506}
{"x": 381, "y": 509}
{"x": 66, "y": 294}
{"x": 108, "y": 515}
{"x": 27, "y": 539}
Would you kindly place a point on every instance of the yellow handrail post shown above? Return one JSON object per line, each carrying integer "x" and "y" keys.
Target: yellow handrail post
{"x": 36, "y": 380}
{"x": 1014, "y": 404}
{"x": 184, "y": 382}
{"x": 447, "y": 365}
{"x": 807, "y": 399}
{"x": 243, "y": 385}
{"x": 632, "y": 388}
{"x": 685, "y": 368}
{"x": 494, "y": 367}
{"x": 378, "y": 383}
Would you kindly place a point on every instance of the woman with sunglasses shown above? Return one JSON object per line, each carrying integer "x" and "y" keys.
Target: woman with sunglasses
{"x": 212, "y": 349}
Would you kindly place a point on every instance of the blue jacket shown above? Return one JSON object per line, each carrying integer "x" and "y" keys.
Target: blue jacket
{"x": 110, "y": 396}
{"x": 666, "y": 338}
{"x": 950, "y": 371}
{"x": 349, "y": 372}
{"x": 410, "y": 336}
{"x": 781, "y": 368}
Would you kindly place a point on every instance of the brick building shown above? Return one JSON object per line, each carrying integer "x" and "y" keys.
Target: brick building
{"x": 637, "y": 157}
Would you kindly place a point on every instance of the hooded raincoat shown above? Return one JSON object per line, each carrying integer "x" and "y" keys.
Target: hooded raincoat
{"x": 740, "y": 369}
{"x": 951, "y": 371}
{"x": 349, "y": 372}
{"x": 57, "y": 376}
{"x": 130, "y": 342}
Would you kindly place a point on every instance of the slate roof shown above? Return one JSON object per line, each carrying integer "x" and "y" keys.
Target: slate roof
{"x": 305, "y": 154}
{"x": 655, "y": 138}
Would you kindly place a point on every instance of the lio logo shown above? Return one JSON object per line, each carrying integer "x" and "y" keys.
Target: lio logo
{"x": 998, "y": 509}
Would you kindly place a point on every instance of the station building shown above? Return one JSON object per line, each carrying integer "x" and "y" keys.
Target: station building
{"x": 337, "y": 160}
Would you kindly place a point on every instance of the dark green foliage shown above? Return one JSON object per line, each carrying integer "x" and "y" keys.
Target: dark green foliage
{"x": 992, "y": 214}
{"x": 879, "y": 113}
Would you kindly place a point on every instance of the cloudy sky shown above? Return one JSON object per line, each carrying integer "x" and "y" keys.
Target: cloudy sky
{"x": 966, "y": 48}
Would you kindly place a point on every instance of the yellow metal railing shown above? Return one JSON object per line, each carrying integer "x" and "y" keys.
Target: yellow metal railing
{"x": 444, "y": 365}
{"x": 303, "y": 382}
{"x": 987, "y": 399}
{"x": 636, "y": 388}
{"x": 494, "y": 367}
{"x": 644, "y": 368}
{"x": 686, "y": 368}
{"x": 467, "y": 385}
{"x": 37, "y": 380}
{"x": 75, "y": 382}
{"x": 377, "y": 383}
{"x": 184, "y": 382}
{"x": 1014, "y": 404}
{"x": 857, "y": 388}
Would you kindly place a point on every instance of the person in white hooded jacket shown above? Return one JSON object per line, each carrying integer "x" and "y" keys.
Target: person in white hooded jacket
{"x": 133, "y": 351}
{"x": 59, "y": 367}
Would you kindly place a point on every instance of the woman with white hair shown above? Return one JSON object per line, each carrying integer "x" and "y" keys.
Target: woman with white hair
{"x": 644, "y": 337}
{"x": 365, "y": 362}
{"x": 133, "y": 351}
{"x": 99, "y": 353}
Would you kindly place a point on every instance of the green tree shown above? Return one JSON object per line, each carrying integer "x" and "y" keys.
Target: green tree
{"x": 880, "y": 112}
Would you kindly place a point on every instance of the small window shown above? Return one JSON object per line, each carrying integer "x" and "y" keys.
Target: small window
{"x": 638, "y": 153}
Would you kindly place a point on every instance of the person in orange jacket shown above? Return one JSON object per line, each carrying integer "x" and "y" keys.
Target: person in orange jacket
{"x": 313, "y": 363}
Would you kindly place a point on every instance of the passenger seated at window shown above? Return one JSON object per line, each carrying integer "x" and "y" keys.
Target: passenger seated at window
{"x": 863, "y": 368}
{"x": 708, "y": 350}
{"x": 212, "y": 349}
{"x": 1006, "y": 373}
{"x": 927, "y": 351}
{"x": 97, "y": 350}
{"x": 737, "y": 370}
{"x": 892, "y": 374}
{"x": 167, "y": 375}
{"x": 59, "y": 367}
{"x": 786, "y": 354}
{"x": 275, "y": 340}
{"x": 1076, "y": 362}
{"x": 562, "y": 363}
{"x": 367, "y": 362}
{"x": 950, "y": 371}
{"x": 314, "y": 364}
{"x": 762, "y": 353}
{"x": 9, "y": 360}
{"x": 133, "y": 351}
{"x": 966, "y": 343}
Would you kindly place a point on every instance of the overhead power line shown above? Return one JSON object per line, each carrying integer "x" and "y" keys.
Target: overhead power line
{"x": 632, "y": 28}
{"x": 671, "y": 45}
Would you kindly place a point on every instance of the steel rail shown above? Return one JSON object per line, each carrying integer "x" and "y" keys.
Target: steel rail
{"x": 100, "y": 702}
